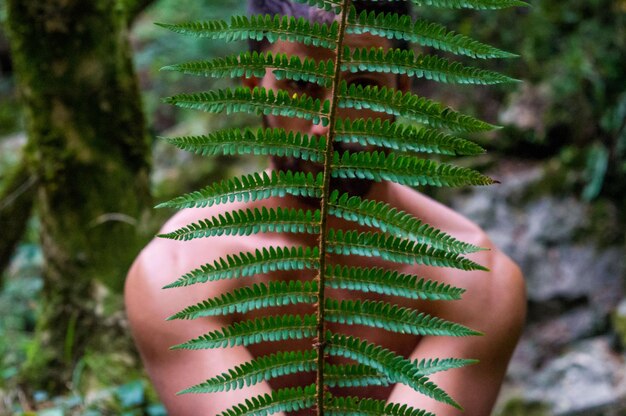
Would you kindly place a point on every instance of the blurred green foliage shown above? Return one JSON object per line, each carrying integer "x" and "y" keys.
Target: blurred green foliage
{"x": 156, "y": 47}
{"x": 573, "y": 101}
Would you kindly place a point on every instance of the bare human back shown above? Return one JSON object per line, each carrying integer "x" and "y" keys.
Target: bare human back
{"x": 493, "y": 302}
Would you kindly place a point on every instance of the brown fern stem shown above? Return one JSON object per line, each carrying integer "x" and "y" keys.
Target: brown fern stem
{"x": 321, "y": 297}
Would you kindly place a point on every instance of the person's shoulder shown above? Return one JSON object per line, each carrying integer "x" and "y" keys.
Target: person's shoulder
{"x": 501, "y": 290}
{"x": 436, "y": 214}
{"x": 156, "y": 264}
{"x": 163, "y": 261}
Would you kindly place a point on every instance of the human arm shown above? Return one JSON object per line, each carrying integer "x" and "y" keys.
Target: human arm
{"x": 148, "y": 306}
{"x": 495, "y": 304}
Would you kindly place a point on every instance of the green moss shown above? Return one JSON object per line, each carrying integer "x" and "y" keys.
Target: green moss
{"x": 10, "y": 116}
{"x": 604, "y": 225}
{"x": 519, "y": 407}
{"x": 618, "y": 320}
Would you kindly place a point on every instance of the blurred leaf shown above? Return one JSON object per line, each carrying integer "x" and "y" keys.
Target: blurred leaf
{"x": 51, "y": 412}
{"x": 597, "y": 163}
{"x": 156, "y": 410}
{"x": 131, "y": 394}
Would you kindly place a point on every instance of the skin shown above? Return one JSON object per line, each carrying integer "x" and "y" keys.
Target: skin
{"x": 493, "y": 304}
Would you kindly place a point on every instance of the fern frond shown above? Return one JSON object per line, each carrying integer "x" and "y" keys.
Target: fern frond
{"x": 272, "y": 28}
{"x": 259, "y": 101}
{"x": 282, "y": 400}
{"x": 251, "y": 187}
{"x": 274, "y": 142}
{"x": 389, "y": 219}
{"x": 405, "y": 62}
{"x": 394, "y": 249}
{"x": 388, "y": 363}
{"x": 404, "y": 170}
{"x": 392, "y": 25}
{"x": 389, "y": 282}
{"x": 255, "y": 64}
{"x": 402, "y": 137}
{"x": 355, "y": 406}
{"x": 249, "y": 264}
{"x": 247, "y": 222}
{"x": 392, "y": 318}
{"x": 407, "y": 105}
{"x": 267, "y": 328}
{"x": 471, "y": 4}
{"x": 260, "y": 369}
{"x": 242, "y": 300}
{"x": 436, "y": 365}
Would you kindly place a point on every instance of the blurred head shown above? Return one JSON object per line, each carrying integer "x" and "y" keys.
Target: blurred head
{"x": 353, "y": 186}
{"x": 316, "y": 15}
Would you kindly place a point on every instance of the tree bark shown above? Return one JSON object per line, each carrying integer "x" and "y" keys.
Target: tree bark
{"x": 16, "y": 205}
{"x": 88, "y": 148}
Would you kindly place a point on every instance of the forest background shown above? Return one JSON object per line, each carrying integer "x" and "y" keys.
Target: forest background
{"x": 77, "y": 183}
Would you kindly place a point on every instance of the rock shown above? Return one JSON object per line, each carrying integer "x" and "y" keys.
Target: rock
{"x": 588, "y": 380}
{"x": 571, "y": 272}
{"x": 541, "y": 236}
{"x": 527, "y": 108}
{"x": 544, "y": 340}
{"x": 552, "y": 221}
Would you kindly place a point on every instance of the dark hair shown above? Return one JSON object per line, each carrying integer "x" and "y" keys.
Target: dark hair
{"x": 314, "y": 14}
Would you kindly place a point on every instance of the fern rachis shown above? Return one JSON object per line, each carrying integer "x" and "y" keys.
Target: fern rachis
{"x": 342, "y": 271}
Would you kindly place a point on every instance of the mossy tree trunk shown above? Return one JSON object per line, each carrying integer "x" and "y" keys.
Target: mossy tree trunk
{"x": 16, "y": 202}
{"x": 89, "y": 150}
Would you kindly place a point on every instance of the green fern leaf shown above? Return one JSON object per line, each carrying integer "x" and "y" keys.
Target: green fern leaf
{"x": 389, "y": 219}
{"x": 394, "y": 249}
{"x": 249, "y": 264}
{"x": 391, "y": 25}
{"x": 260, "y": 369}
{"x": 353, "y": 375}
{"x": 282, "y": 400}
{"x": 471, "y": 4}
{"x": 405, "y": 62}
{"x": 251, "y": 187}
{"x": 407, "y": 105}
{"x": 402, "y": 137}
{"x": 389, "y": 282}
{"x": 272, "y": 28}
{"x": 392, "y": 318}
{"x": 258, "y": 100}
{"x": 247, "y": 222}
{"x": 354, "y": 406}
{"x": 436, "y": 365}
{"x": 253, "y": 297}
{"x": 386, "y": 362}
{"x": 254, "y": 64}
{"x": 405, "y": 170}
{"x": 274, "y": 142}
{"x": 267, "y": 328}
